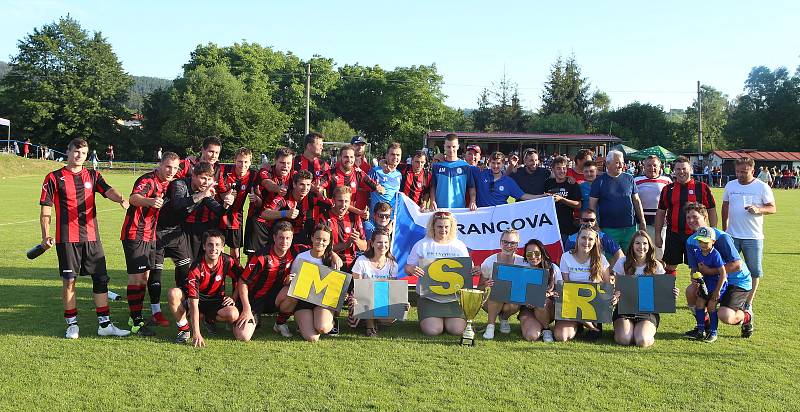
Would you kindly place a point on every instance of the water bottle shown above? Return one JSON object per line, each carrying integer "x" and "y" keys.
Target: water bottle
{"x": 35, "y": 251}
{"x": 702, "y": 289}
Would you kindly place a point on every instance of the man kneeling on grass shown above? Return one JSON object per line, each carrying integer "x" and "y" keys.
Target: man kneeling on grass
{"x": 204, "y": 292}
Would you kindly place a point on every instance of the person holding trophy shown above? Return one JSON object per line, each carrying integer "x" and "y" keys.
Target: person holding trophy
{"x": 438, "y": 314}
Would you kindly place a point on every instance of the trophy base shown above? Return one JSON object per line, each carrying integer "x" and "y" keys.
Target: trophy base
{"x": 467, "y": 341}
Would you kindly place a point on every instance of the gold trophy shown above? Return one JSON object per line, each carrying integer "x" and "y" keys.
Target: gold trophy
{"x": 472, "y": 301}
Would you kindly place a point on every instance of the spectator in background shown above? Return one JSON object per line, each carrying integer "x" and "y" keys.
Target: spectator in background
{"x": 617, "y": 197}
{"x": 473, "y": 155}
{"x": 93, "y": 158}
{"x": 589, "y": 175}
{"x": 16, "y": 148}
{"x": 26, "y": 148}
{"x": 650, "y": 186}
{"x": 765, "y": 176}
{"x": 158, "y": 155}
{"x": 110, "y": 156}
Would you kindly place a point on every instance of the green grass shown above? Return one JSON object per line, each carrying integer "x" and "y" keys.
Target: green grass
{"x": 400, "y": 370}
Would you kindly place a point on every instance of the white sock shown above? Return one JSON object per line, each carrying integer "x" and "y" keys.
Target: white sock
{"x": 155, "y": 308}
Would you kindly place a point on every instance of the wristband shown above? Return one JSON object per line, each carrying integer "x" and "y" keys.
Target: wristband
{"x": 283, "y": 213}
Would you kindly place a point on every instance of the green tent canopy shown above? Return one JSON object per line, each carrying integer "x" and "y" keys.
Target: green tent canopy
{"x": 627, "y": 150}
{"x": 662, "y": 153}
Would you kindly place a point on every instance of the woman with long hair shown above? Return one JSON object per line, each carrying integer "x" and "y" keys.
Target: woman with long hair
{"x": 584, "y": 263}
{"x": 535, "y": 322}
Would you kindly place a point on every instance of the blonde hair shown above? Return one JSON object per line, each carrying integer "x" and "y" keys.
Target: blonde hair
{"x": 442, "y": 215}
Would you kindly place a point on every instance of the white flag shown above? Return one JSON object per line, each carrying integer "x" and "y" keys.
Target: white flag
{"x": 5, "y": 122}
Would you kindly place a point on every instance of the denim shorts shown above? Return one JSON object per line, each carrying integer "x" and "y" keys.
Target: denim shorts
{"x": 752, "y": 250}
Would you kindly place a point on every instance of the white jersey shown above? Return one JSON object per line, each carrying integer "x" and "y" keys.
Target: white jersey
{"x": 649, "y": 192}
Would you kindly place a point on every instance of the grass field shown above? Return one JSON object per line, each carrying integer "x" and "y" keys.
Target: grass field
{"x": 401, "y": 369}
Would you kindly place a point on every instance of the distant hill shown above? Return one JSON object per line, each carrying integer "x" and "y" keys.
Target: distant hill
{"x": 142, "y": 86}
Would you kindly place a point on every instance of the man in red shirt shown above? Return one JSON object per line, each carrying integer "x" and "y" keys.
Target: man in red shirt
{"x": 360, "y": 145}
{"x": 240, "y": 182}
{"x": 416, "y": 182}
{"x": 71, "y": 190}
{"x": 212, "y": 146}
{"x": 139, "y": 241}
{"x": 204, "y": 292}
{"x": 347, "y": 229}
{"x": 576, "y": 171}
{"x": 274, "y": 181}
{"x": 311, "y": 159}
{"x": 300, "y": 207}
{"x": 346, "y": 174}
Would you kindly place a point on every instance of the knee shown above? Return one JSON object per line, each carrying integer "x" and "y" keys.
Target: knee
{"x": 622, "y": 339}
{"x": 432, "y": 330}
{"x": 99, "y": 284}
{"x": 175, "y": 295}
{"x": 531, "y": 335}
{"x": 560, "y": 335}
{"x": 311, "y": 338}
{"x": 645, "y": 341}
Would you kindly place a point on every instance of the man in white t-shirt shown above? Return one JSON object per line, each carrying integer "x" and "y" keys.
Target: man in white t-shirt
{"x": 509, "y": 243}
{"x": 744, "y": 203}
{"x": 649, "y": 187}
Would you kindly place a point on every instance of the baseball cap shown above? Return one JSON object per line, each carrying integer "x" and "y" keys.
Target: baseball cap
{"x": 358, "y": 140}
{"x": 474, "y": 147}
{"x": 706, "y": 234}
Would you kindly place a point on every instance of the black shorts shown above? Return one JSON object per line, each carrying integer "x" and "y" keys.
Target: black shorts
{"x": 302, "y": 305}
{"x": 264, "y": 304}
{"x": 734, "y": 297}
{"x": 139, "y": 256}
{"x": 256, "y": 235}
{"x": 172, "y": 243}
{"x": 208, "y": 308}
{"x": 81, "y": 259}
{"x": 675, "y": 248}
{"x": 194, "y": 237}
{"x": 234, "y": 238}
{"x": 654, "y": 318}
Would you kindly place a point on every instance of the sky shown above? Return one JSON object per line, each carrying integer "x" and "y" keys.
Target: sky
{"x": 651, "y": 52}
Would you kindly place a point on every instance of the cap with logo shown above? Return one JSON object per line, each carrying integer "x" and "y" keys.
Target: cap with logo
{"x": 706, "y": 234}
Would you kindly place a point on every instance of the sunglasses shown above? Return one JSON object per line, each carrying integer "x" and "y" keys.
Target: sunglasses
{"x": 508, "y": 243}
{"x": 533, "y": 254}
{"x": 440, "y": 215}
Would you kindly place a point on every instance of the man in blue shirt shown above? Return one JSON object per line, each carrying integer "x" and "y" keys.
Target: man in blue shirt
{"x": 452, "y": 179}
{"x": 531, "y": 177}
{"x": 610, "y": 247}
{"x": 387, "y": 176}
{"x": 493, "y": 187}
{"x": 739, "y": 280}
{"x": 615, "y": 195}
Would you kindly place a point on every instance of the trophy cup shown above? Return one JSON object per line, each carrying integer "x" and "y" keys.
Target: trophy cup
{"x": 471, "y": 301}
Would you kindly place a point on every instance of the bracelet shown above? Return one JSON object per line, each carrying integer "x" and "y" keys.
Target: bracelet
{"x": 283, "y": 213}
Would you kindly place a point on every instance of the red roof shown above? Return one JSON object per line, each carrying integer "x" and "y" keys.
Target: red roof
{"x": 529, "y": 136}
{"x": 756, "y": 155}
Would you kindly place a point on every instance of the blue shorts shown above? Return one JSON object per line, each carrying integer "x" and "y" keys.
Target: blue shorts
{"x": 711, "y": 284}
{"x": 752, "y": 251}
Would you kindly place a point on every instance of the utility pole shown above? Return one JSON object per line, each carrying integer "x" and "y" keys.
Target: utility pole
{"x": 699, "y": 119}
{"x": 308, "y": 96}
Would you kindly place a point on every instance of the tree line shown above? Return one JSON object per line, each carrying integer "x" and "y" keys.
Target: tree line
{"x": 66, "y": 82}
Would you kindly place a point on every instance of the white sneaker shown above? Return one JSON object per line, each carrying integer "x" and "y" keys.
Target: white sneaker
{"x": 283, "y": 330}
{"x": 505, "y": 327}
{"x": 72, "y": 331}
{"x": 489, "y": 334}
{"x": 112, "y": 330}
{"x": 547, "y": 336}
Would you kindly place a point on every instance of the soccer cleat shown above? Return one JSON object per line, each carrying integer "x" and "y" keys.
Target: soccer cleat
{"x": 112, "y": 330}
{"x": 747, "y": 327}
{"x": 183, "y": 337}
{"x": 505, "y": 327}
{"x": 158, "y": 319}
{"x": 283, "y": 329}
{"x": 711, "y": 337}
{"x": 72, "y": 331}
{"x": 697, "y": 335}
{"x": 547, "y": 336}
{"x": 140, "y": 328}
{"x": 489, "y": 334}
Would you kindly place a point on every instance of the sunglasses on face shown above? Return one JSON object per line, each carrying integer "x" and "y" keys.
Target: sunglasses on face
{"x": 533, "y": 254}
{"x": 508, "y": 243}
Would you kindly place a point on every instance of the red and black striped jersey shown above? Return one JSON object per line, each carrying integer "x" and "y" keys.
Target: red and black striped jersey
{"x": 266, "y": 196}
{"x": 356, "y": 179}
{"x": 232, "y": 218}
{"x": 72, "y": 195}
{"x": 266, "y": 269}
{"x": 311, "y": 210}
{"x": 317, "y": 167}
{"x": 361, "y": 199}
{"x": 341, "y": 227}
{"x": 140, "y": 222}
{"x": 675, "y": 195}
{"x": 208, "y": 283}
{"x": 186, "y": 165}
{"x": 415, "y": 185}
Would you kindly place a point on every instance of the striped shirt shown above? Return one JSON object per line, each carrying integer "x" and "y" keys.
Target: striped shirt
{"x": 676, "y": 195}
{"x": 72, "y": 195}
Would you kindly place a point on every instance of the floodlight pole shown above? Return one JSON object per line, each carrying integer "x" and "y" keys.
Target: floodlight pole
{"x": 308, "y": 95}
{"x": 699, "y": 119}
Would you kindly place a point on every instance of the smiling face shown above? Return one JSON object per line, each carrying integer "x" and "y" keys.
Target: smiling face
{"x": 283, "y": 165}
{"x": 694, "y": 220}
{"x": 640, "y": 247}
{"x": 586, "y": 240}
{"x": 441, "y": 230}
{"x": 418, "y": 163}
{"x": 533, "y": 255}
{"x": 652, "y": 167}
{"x": 202, "y": 181}
{"x": 320, "y": 241}
{"x": 682, "y": 172}
{"x": 167, "y": 169}
{"x": 744, "y": 173}
{"x": 341, "y": 202}
{"x": 301, "y": 189}
{"x": 283, "y": 241}
{"x": 213, "y": 248}
{"x": 77, "y": 156}
{"x": 243, "y": 163}
{"x": 393, "y": 156}
{"x": 614, "y": 166}
{"x": 380, "y": 244}
{"x": 347, "y": 158}
{"x": 531, "y": 161}
{"x": 509, "y": 242}
{"x": 451, "y": 150}
{"x": 210, "y": 154}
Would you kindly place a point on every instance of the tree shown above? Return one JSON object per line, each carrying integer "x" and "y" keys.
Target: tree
{"x": 212, "y": 101}
{"x": 64, "y": 83}
{"x": 555, "y": 123}
{"x": 500, "y": 109}
{"x": 566, "y": 91}
{"x": 640, "y": 125}
{"x": 715, "y": 116}
{"x": 336, "y": 130}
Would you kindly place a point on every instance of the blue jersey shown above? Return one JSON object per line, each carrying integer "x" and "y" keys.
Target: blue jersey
{"x": 492, "y": 192}
{"x": 614, "y": 199}
{"x": 452, "y": 180}
{"x": 724, "y": 245}
{"x": 390, "y": 182}
{"x": 607, "y": 243}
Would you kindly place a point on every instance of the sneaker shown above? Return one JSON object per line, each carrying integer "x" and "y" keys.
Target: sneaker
{"x": 283, "y": 329}
{"x": 183, "y": 337}
{"x": 72, "y": 331}
{"x": 158, "y": 319}
{"x": 547, "y": 336}
{"x": 698, "y": 334}
{"x": 140, "y": 328}
{"x": 210, "y": 327}
{"x": 747, "y": 327}
{"x": 112, "y": 330}
{"x": 505, "y": 327}
{"x": 335, "y": 330}
{"x": 489, "y": 334}
{"x": 691, "y": 333}
{"x": 711, "y": 337}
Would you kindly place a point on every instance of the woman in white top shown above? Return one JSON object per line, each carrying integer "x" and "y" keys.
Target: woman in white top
{"x": 313, "y": 320}
{"x": 437, "y": 316}
{"x": 535, "y": 322}
{"x": 509, "y": 242}
{"x": 584, "y": 263}
{"x": 640, "y": 259}
{"x": 376, "y": 263}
